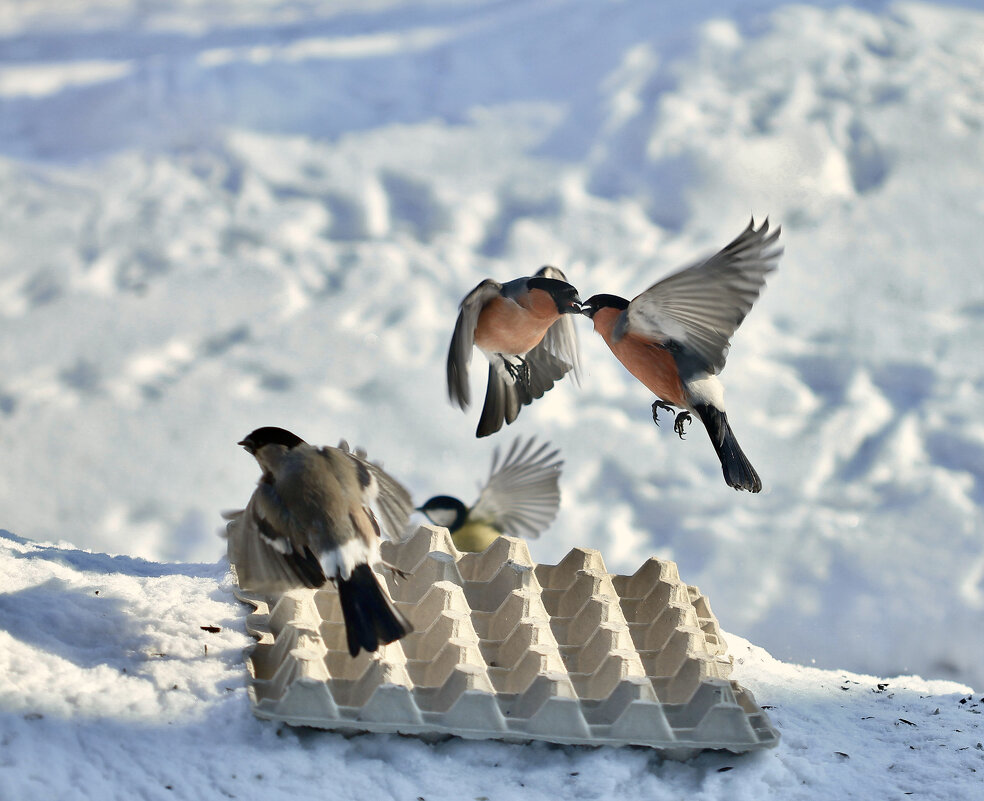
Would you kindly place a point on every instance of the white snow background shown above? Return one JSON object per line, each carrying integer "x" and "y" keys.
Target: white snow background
{"x": 221, "y": 215}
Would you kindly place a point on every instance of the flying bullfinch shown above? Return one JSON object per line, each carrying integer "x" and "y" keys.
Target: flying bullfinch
{"x": 675, "y": 337}
{"x": 309, "y": 522}
{"x": 520, "y": 499}
{"x": 524, "y": 330}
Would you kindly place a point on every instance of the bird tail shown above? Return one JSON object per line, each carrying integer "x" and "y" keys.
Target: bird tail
{"x": 504, "y": 397}
{"x": 371, "y": 619}
{"x": 502, "y": 403}
{"x": 738, "y": 471}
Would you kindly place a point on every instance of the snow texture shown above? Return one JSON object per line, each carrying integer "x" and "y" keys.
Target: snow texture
{"x": 124, "y": 679}
{"x": 221, "y": 215}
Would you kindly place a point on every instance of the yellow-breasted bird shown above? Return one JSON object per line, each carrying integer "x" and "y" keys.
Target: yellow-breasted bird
{"x": 520, "y": 499}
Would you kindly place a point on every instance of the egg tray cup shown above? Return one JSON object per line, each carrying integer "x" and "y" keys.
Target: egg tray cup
{"x": 506, "y": 649}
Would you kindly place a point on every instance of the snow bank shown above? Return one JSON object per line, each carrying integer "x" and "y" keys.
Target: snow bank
{"x": 116, "y": 686}
{"x": 217, "y": 216}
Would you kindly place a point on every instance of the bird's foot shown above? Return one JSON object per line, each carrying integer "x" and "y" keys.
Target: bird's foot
{"x": 519, "y": 371}
{"x": 683, "y": 417}
{"x": 657, "y": 405}
{"x": 395, "y": 570}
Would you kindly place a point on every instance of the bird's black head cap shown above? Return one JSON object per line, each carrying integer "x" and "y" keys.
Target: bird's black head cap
{"x": 270, "y": 435}
{"x": 443, "y": 510}
{"x": 595, "y": 302}
{"x": 564, "y": 294}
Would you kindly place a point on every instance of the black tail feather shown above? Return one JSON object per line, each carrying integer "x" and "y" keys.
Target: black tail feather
{"x": 503, "y": 400}
{"x": 502, "y": 404}
{"x": 371, "y": 619}
{"x": 738, "y": 471}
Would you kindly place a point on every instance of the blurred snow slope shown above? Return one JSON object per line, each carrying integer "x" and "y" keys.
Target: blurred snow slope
{"x": 112, "y": 690}
{"x": 216, "y": 216}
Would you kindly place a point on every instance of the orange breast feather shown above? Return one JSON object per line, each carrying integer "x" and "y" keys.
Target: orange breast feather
{"x": 651, "y": 364}
{"x": 507, "y": 327}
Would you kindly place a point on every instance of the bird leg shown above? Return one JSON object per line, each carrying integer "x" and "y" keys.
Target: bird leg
{"x": 520, "y": 372}
{"x": 658, "y": 404}
{"x": 395, "y": 570}
{"x": 683, "y": 417}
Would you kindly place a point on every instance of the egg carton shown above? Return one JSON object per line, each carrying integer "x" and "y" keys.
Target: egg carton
{"x": 506, "y": 649}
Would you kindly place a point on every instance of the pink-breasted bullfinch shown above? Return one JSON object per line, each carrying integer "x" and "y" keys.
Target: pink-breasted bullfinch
{"x": 308, "y": 522}
{"x": 520, "y": 499}
{"x": 675, "y": 336}
{"x": 524, "y": 329}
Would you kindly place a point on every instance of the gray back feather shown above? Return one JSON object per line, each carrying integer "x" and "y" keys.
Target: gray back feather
{"x": 700, "y": 307}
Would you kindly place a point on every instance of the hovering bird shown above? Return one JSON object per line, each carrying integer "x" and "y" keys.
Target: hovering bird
{"x": 309, "y": 522}
{"x": 675, "y": 337}
{"x": 520, "y": 498}
{"x": 523, "y": 329}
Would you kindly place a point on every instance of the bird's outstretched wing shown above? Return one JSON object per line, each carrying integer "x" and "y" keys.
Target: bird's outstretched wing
{"x": 384, "y": 493}
{"x": 701, "y": 306}
{"x": 463, "y": 340}
{"x": 264, "y": 562}
{"x": 561, "y": 338}
{"x": 522, "y": 495}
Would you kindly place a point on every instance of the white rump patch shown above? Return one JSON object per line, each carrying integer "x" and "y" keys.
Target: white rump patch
{"x": 341, "y": 561}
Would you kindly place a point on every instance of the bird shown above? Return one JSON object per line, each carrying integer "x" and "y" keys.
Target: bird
{"x": 308, "y": 522}
{"x": 520, "y": 498}
{"x": 523, "y": 328}
{"x": 675, "y": 337}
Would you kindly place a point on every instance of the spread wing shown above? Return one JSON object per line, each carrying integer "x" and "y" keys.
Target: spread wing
{"x": 522, "y": 495}
{"x": 561, "y": 338}
{"x": 702, "y": 305}
{"x": 384, "y": 493}
{"x": 266, "y": 562}
{"x": 463, "y": 340}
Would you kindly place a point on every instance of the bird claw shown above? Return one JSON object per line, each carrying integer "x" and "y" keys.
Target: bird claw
{"x": 395, "y": 570}
{"x": 658, "y": 404}
{"x": 520, "y": 372}
{"x": 683, "y": 417}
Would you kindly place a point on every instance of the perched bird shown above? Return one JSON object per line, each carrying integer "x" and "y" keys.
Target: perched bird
{"x": 308, "y": 522}
{"x": 675, "y": 337}
{"x": 523, "y": 329}
{"x": 520, "y": 498}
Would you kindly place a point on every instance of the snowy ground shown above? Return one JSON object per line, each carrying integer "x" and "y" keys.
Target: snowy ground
{"x": 220, "y": 215}
{"x": 113, "y": 690}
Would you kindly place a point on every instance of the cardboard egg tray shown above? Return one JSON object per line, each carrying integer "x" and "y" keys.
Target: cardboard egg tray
{"x": 505, "y": 649}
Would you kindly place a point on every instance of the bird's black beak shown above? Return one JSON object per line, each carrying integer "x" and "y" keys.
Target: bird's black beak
{"x": 588, "y": 310}
{"x": 248, "y": 445}
{"x": 572, "y": 307}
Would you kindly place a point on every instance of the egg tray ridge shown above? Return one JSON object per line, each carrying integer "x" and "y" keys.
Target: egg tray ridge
{"x": 505, "y": 649}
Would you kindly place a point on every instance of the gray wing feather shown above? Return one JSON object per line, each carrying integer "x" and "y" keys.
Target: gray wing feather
{"x": 392, "y": 502}
{"x": 522, "y": 494}
{"x": 259, "y": 566}
{"x": 561, "y": 338}
{"x": 545, "y": 370}
{"x": 702, "y": 305}
{"x": 463, "y": 340}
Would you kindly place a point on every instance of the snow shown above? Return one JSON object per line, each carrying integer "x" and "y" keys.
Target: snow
{"x": 219, "y": 215}
{"x": 113, "y": 689}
